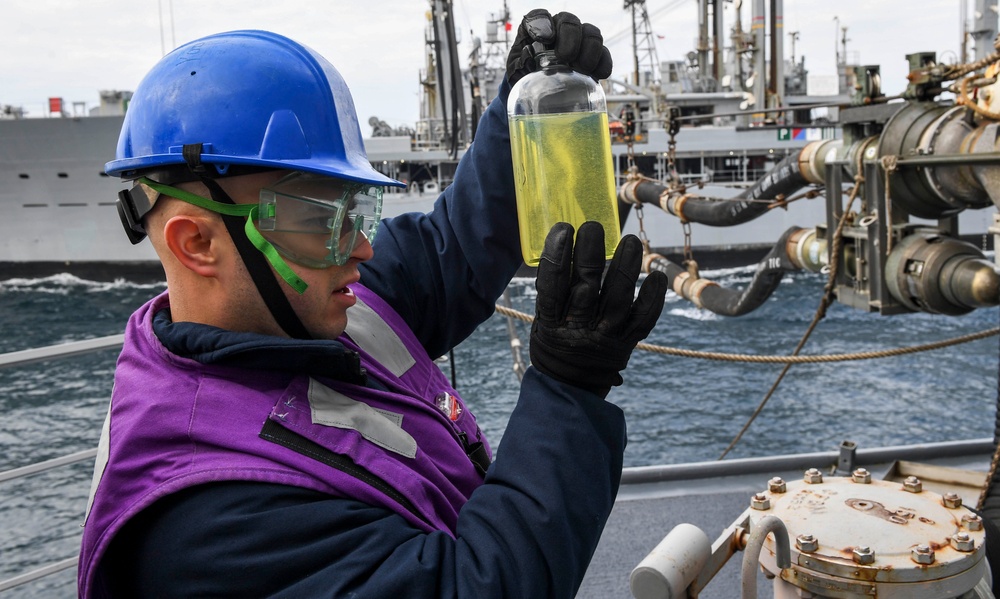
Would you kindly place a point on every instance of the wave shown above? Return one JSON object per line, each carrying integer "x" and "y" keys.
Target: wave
{"x": 65, "y": 283}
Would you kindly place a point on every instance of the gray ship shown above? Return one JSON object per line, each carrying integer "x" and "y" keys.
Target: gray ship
{"x": 59, "y": 204}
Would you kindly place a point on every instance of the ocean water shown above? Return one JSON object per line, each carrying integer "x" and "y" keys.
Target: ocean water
{"x": 678, "y": 409}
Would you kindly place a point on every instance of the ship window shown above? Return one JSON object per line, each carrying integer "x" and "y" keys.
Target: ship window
{"x": 107, "y": 203}
{"x": 62, "y": 175}
{"x": 23, "y": 175}
{"x": 72, "y": 204}
{"x": 36, "y": 205}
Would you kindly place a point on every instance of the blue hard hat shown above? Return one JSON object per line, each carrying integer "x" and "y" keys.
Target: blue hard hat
{"x": 251, "y": 98}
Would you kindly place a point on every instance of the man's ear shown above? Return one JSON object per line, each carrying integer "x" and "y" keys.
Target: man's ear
{"x": 194, "y": 241}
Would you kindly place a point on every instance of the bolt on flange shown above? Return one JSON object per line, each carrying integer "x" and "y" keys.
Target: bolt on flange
{"x": 972, "y": 522}
{"x": 912, "y": 484}
{"x": 951, "y": 500}
{"x": 813, "y": 476}
{"x": 760, "y": 502}
{"x": 806, "y": 543}
{"x": 961, "y": 541}
{"x": 863, "y": 555}
{"x": 922, "y": 554}
{"x": 861, "y": 476}
{"x": 777, "y": 485}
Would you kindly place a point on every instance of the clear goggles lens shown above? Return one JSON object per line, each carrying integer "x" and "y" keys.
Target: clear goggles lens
{"x": 318, "y": 221}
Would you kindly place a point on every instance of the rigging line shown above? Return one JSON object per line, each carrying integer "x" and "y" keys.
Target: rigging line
{"x": 827, "y": 299}
{"x": 789, "y": 359}
{"x": 615, "y": 37}
{"x": 984, "y": 493}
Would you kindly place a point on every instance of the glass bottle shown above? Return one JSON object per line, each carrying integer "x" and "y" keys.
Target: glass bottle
{"x": 561, "y": 149}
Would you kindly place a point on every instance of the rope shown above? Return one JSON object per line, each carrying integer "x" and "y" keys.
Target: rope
{"x": 792, "y": 359}
{"x": 970, "y": 103}
{"x": 831, "y": 283}
{"x": 995, "y": 461}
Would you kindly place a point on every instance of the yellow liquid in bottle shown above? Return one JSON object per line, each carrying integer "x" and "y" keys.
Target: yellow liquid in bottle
{"x": 563, "y": 173}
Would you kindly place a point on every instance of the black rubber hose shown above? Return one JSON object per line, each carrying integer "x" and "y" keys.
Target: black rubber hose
{"x": 781, "y": 181}
{"x": 737, "y": 302}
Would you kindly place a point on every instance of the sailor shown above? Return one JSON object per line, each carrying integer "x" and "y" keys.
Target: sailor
{"x": 277, "y": 424}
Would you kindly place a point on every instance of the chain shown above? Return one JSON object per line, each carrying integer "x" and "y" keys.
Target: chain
{"x": 673, "y": 182}
{"x": 673, "y": 178}
{"x": 673, "y": 127}
{"x": 688, "y": 255}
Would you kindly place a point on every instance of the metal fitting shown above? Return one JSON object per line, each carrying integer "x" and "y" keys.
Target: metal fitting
{"x": 951, "y": 500}
{"x": 777, "y": 485}
{"x": 806, "y": 543}
{"x": 922, "y": 554}
{"x": 913, "y": 484}
{"x": 961, "y": 541}
{"x": 863, "y": 555}
{"x": 813, "y": 476}
{"x": 861, "y": 476}
{"x": 972, "y": 522}
{"x": 760, "y": 502}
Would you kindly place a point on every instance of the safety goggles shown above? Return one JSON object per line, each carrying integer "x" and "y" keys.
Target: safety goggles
{"x": 312, "y": 220}
{"x": 318, "y": 221}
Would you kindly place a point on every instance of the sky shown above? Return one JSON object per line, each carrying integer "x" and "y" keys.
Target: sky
{"x": 72, "y": 49}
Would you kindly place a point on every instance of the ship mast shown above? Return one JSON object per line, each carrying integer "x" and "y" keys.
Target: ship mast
{"x": 448, "y": 75}
{"x": 643, "y": 44}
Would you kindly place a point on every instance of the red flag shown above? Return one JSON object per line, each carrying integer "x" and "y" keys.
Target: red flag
{"x": 507, "y": 26}
{"x": 55, "y": 105}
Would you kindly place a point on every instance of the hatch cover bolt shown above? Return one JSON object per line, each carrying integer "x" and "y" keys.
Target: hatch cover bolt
{"x": 862, "y": 476}
{"x": 813, "y": 476}
{"x": 951, "y": 500}
{"x": 912, "y": 484}
{"x": 972, "y": 522}
{"x": 922, "y": 554}
{"x": 806, "y": 543}
{"x": 776, "y": 485}
{"x": 760, "y": 502}
{"x": 863, "y": 555}
{"x": 963, "y": 542}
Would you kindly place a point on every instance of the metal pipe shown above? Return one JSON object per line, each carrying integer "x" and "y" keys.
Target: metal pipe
{"x": 718, "y": 31}
{"x": 33, "y": 575}
{"x": 80, "y": 456}
{"x": 702, "y": 38}
{"x": 751, "y": 557}
{"x": 950, "y": 159}
{"x": 778, "y": 50}
{"x": 760, "y": 76}
{"x": 62, "y": 350}
{"x": 639, "y": 475}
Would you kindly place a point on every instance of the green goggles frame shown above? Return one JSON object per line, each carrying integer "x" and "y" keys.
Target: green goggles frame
{"x": 250, "y": 211}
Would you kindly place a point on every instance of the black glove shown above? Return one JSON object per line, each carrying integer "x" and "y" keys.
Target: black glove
{"x": 583, "y": 334}
{"x": 579, "y": 45}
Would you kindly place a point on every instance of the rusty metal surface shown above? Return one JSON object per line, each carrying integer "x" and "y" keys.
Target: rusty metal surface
{"x": 865, "y": 536}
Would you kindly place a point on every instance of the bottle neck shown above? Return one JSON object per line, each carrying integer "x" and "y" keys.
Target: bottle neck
{"x": 547, "y": 59}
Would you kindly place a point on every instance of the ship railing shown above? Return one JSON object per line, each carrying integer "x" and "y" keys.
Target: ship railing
{"x": 33, "y": 356}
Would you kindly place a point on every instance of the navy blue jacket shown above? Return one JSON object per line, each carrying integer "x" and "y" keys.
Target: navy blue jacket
{"x": 529, "y": 531}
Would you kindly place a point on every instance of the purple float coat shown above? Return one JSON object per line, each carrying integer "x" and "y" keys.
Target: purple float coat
{"x": 175, "y": 423}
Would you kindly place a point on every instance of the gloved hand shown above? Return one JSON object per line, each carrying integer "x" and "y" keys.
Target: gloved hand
{"x": 579, "y": 45}
{"x": 583, "y": 333}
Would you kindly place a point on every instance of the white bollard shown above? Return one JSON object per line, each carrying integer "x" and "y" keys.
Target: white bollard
{"x": 672, "y": 565}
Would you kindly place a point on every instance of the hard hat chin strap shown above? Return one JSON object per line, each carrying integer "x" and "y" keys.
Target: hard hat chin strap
{"x": 268, "y": 286}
